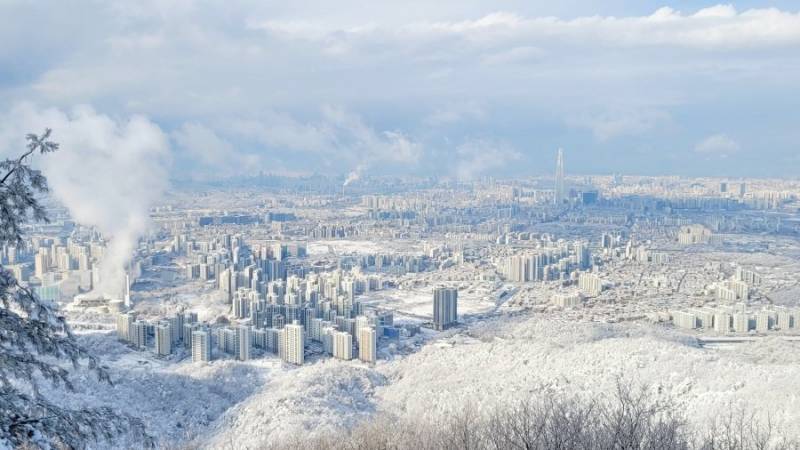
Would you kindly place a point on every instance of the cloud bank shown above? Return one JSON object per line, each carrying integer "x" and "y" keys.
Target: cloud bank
{"x": 719, "y": 145}
{"x": 309, "y": 87}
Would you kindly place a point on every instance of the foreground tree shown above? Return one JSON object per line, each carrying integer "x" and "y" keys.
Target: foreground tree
{"x": 36, "y": 345}
{"x": 630, "y": 418}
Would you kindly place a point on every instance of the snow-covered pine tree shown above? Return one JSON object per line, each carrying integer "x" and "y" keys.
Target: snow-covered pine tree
{"x": 36, "y": 345}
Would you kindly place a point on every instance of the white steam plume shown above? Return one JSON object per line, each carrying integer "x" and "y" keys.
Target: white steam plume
{"x": 355, "y": 175}
{"x": 108, "y": 173}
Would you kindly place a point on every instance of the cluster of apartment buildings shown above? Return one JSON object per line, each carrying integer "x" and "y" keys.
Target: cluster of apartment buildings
{"x": 567, "y": 299}
{"x": 556, "y": 262}
{"x": 738, "y": 287}
{"x": 737, "y": 319}
{"x": 696, "y": 234}
{"x": 282, "y": 329}
{"x": 58, "y": 268}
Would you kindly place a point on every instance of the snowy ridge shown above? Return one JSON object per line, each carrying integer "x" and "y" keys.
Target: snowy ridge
{"x": 175, "y": 401}
{"x": 244, "y": 405}
{"x": 308, "y": 400}
{"x": 501, "y": 360}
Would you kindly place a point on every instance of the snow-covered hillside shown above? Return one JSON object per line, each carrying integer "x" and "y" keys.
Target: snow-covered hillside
{"x": 229, "y": 404}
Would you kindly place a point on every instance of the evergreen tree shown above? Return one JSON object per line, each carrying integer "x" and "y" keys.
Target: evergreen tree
{"x": 36, "y": 344}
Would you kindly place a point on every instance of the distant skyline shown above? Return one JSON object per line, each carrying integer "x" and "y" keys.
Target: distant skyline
{"x": 454, "y": 89}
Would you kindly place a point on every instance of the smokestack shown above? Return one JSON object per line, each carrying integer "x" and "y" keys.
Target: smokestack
{"x": 127, "y": 291}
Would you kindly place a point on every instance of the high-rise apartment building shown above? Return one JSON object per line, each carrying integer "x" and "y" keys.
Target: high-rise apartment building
{"x": 163, "y": 338}
{"x": 367, "y": 344}
{"x": 201, "y": 345}
{"x": 41, "y": 263}
{"x": 445, "y": 307}
{"x": 139, "y": 334}
{"x": 243, "y": 343}
{"x": 590, "y": 283}
{"x": 125, "y": 325}
{"x": 293, "y": 344}
{"x": 343, "y": 345}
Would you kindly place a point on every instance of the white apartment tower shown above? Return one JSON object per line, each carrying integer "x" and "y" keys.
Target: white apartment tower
{"x": 41, "y": 263}
{"x": 201, "y": 345}
{"x": 445, "y": 307}
{"x": 163, "y": 339}
{"x": 343, "y": 345}
{"x": 741, "y": 322}
{"x": 367, "y": 345}
{"x": 590, "y": 283}
{"x": 722, "y": 322}
{"x": 138, "y": 335}
{"x": 125, "y": 325}
{"x": 243, "y": 343}
{"x": 293, "y": 343}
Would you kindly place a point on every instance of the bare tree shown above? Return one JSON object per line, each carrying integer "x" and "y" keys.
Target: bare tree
{"x": 632, "y": 418}
{"x": 739, "y": 428}
{"x": 36, "y": 344}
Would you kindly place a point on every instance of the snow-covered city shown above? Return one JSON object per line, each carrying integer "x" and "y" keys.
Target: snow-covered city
{"x": 388, "y": 226}
{"x": 292, "y": 319}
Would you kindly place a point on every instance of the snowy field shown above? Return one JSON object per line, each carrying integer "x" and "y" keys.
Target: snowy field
{"x": 351, "y": 247}
{"x": 419, "y": 302}
{"x": 229, "y": 404}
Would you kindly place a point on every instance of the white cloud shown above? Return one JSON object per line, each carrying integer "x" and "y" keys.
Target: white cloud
{"x": 614, "y": 124}
{"x": 200, "y": 145}
{"x": 371, "y": 146}
{"x": 456, "y": 112}
{"x": 717, "y": 145}
{"x": 479, "y": 156}
{"x": 516, "y": 55}
{"x": 258, "y": 73}
{"x": 716, "y": 27}
{"x": 338, "y": 138}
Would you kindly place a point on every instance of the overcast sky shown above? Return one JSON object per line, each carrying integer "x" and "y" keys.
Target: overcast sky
{"x": 456, "y": 88}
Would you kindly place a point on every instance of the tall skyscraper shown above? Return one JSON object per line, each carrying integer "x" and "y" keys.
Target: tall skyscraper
{"x": 125, "y": 325}
{"x": 343, "y": 345}
{"x": 139, "y": 334}
{"x": 201, "y": 345}
{"x": 243, "y": 343}
{"x": 560, "y": 194}
{"x": 226, "y": 284}
{"x": 445, "y": 307}
{"x": 41, "y": 263}
{"x": 367, "y": 344}
{"x": 187, "y": 334}
{"x": 293, "y": 343}
{"x": 163, "y": 339}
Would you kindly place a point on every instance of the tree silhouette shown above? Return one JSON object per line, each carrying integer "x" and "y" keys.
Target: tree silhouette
{"x": 36, "y": 344}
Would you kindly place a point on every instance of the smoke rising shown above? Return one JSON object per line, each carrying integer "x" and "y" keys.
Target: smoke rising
{"x": 354, "y": 175}
{"x": 108, "y": 173}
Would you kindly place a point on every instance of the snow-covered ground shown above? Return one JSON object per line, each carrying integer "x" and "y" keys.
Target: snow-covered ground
{"x": 229, "y": 404}
{"x": 348, "y": 247}
{"x": 419, "y": 302}
{"x": 341, "y": 247}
